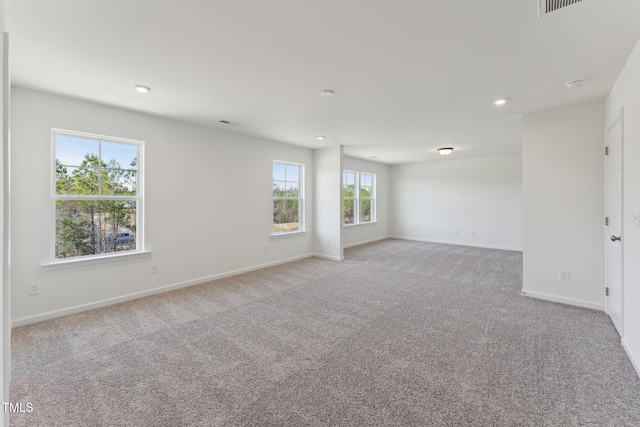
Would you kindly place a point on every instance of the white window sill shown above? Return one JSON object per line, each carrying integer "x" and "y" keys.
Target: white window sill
{"x": 290, "y": 233}
{"x": 361, "y": 223}
{"x": 92, "y": 260}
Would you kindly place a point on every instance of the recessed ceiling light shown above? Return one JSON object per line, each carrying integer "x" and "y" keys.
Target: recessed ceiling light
{"x": 320, "y": 138}
{"x": 500, "y": 101}
{"x": 374, "y": 157}
{"x": 327, "y": 92}
{"x": 142, "y": 89}
{"x": 574, "y": 83}
{"x": 445, "y": 151}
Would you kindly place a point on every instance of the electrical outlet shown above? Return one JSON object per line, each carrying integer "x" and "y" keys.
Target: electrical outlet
{"x": 34, "y": 288}
{"x": 266, "y": 249}
{"x": 328, "y": 242}
{"x": 473, "y": 234}
{"x": 154, "y": 268}
{"x": 563, "y": 274}
{"x": 457, "y": 232}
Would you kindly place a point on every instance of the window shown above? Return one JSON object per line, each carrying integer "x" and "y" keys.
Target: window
{"x": 97, "y": 195}
{"x": 287, "y": 197}
{"x": 358, "y": 195}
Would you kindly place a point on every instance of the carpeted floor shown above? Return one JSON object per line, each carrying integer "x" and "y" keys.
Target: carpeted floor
{"x": 400, "y": 333}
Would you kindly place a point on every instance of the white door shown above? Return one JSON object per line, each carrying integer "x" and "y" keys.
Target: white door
{"x": 613, "y": 171}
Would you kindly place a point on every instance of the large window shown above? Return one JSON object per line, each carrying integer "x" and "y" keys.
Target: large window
{"x": 97, "y": 195}
{"x": 358, "y": 196}
{"x": 288, "y": 202}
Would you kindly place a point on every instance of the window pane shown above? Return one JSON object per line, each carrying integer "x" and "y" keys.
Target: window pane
{"x": 278, "y": 188}
{"x": 119, "y": 155}
{"x": 285, "y": 215}
{"x": 73, "y": 229}
{"x": 349, "y": 179}
{"x": 347, "y": 208}
{"x": 64, "y": 182}
{"x": 118, "y": 182}
{"x": 365, "y": 180}
{"x": 292, "y": 189}
{"x": 291, "y": 212}
{"x": 81, "y": 181}
{"x": 365, "y": 210}
{"x": 292, "y": 173}
{"x": 348, "y": 191}
{"x": 117, "y": 228}
{"x": 365, "y": 192}
{"x": 72, "y": 150}
{"x": 278, "y": 172}
{"x": 94, "y": 227}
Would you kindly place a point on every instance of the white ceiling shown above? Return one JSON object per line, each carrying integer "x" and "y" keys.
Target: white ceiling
{"x": 409, "y": 75}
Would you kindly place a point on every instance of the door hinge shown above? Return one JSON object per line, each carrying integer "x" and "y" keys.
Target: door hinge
{"x": 606, "y": 151}
{"x": 606, "y": 220}
{"x": 606, "y": 291}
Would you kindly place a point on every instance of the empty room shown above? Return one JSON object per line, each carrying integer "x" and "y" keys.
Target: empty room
{"x": 336, "y": 213}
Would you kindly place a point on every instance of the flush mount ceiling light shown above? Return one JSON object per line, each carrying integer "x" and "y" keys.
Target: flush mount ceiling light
{"x": 574, "y": 83}
{"x": 320, "y": 137}
{"x": 500, "y": 101}
{"x": 327, "y": 92}
{"x": 374, "y": 157}
{"x": 142, "y": 89}
{"x": 445, "y": 151}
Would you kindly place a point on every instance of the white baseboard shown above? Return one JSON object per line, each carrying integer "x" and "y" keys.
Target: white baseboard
{"x": 110, "y": 301}
{"x": 635, "y": 362}
{"x": 364, "y": 242}
{"x": 474, "y": 245}
{"x": 564, "y": 300}
{"x": 331, "y": 257}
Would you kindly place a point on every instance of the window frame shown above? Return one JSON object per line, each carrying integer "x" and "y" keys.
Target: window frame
{"x": 300, "y": 198}
{"x": 138, "y": 198}
{"x": 357, "y": 199}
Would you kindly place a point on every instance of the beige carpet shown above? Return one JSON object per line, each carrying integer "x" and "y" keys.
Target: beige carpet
{"x": 401, "y": 333}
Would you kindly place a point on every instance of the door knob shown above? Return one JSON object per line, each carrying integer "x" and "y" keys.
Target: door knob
{"x": 614, "y": 238}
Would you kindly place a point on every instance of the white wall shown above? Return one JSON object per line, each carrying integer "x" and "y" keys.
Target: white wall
{"x": 563, "y": 184}
{"x": 626, "y": 93}
{"x": 327, "y": 234}
{"x": 448, "y": 200}
{"x": 208, "y": 205}
{"x": 362, "y": 233}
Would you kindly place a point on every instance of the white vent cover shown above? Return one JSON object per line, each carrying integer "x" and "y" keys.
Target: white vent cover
{"x": 547, "y": 6}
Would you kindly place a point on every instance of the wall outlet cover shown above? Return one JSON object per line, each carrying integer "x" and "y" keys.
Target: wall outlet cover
{"x": 34, "y": 288}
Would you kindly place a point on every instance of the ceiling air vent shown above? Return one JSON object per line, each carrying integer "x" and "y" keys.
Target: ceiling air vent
{"x": 229, "y": 122}
{"x": 548, "y": 6}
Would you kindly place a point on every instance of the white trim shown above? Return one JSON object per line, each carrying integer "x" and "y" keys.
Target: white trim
{"x": 289, "y": 233}
{"x": 634, "y": 361}
{"x": 94, "y": 259}
{"x": 364, "y": 242}
{"x": 329, "y": 257}
{"x": 445, "y": 242}
{"x": 361, "y": 223}
{"x": 5, "y": 222}
{"x": 111, "y": 301}
{"x": 564, "y": 300}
